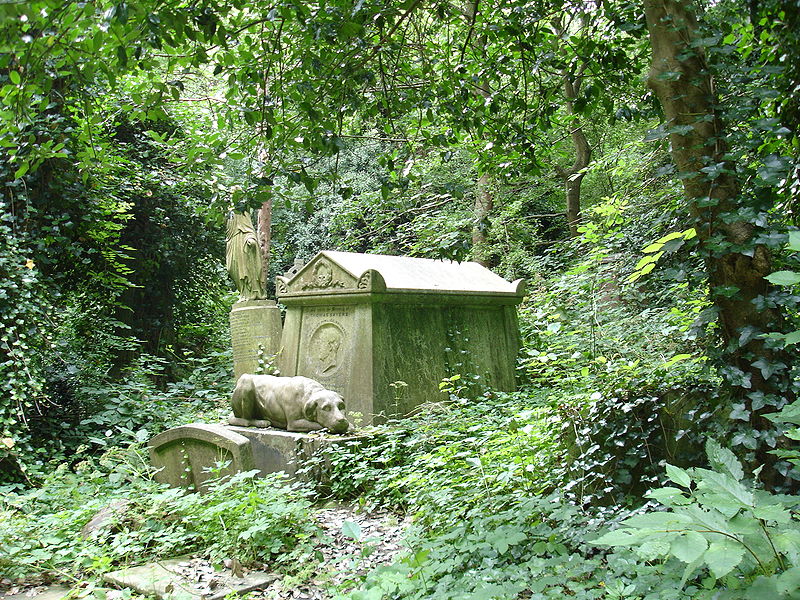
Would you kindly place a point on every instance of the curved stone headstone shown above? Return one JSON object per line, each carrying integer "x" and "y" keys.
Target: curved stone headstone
{"x": 186, "y": 455}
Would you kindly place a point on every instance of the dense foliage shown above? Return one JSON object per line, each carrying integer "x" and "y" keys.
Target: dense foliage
{"x": 638, "y": 163}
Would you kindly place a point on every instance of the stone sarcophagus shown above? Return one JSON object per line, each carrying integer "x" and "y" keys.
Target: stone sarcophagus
{"x": 361, "y": 323}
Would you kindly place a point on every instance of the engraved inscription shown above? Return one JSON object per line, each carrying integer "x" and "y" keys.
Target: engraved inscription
{"x": 248, "y": 339}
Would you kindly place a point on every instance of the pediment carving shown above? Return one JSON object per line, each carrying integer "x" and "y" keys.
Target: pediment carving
{"x": 319, "y": 275}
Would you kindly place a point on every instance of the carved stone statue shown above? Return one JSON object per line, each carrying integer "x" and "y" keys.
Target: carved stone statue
{"x": 243, "y": 257}
{"x": 291, "y": 403}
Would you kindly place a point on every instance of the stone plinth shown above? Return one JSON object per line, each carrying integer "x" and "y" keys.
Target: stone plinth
{"x": 255, "y": 333}
{"x": 358, "y": 323}
{"x": 184, "y": 454}
{"x": 275, "y": 450}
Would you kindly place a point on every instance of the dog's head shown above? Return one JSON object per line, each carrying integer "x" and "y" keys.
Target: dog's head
{"x": 327, "y": 408}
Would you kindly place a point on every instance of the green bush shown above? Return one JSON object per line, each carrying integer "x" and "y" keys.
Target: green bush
{"x": 497, "y": 443}
{"x": 746, "y": 539}
{"x": 517, "y": 546}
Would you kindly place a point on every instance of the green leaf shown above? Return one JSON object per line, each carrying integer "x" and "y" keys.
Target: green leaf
{"x": 724, "y": 485}
{"x": 723, "y": 556}
{"x": 14, "y": 77}
{"x": 352, "y": 530}
{"x": 669, "y": 496}
{"x": 794, "y": 241}
{"x": 23, "y": 168}
{"x": 689, "y": 546}
{"x": 670, "y": 236}
{"x": 783, "y": 277}
{"x": 621, "y": 537}
{"x": 652, "y": 248}
{"x": 724, "y": 460}
{"x": 789, "y": 582}
{"x": 773, "y": 512}
{"x": 659, "y": 521}
{"x": 678, "y": 475}
{"x": 652, "y": 549}
{"x": 644, "y": 261}
{"x": 648, "y": 268}
{"x": 675, "y": 359}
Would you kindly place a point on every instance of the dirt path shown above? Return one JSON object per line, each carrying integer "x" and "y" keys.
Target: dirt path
{"x": 353, "y": 543}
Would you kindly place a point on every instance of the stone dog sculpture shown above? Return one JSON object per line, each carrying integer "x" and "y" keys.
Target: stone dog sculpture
{"x": 291, "y": 403}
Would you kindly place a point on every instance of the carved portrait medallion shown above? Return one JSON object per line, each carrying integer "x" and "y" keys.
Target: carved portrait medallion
{"x": 325, "y": 347}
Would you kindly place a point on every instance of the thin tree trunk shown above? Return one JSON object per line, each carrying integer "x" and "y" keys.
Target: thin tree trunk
{"x": 264, "y": 238}
{"x": 484, "y": 202}
{"x": 573, "y": 177}
{"x": 484, "y": 199}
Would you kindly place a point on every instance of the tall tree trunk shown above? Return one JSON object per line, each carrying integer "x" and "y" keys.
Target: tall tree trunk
{"x": 265, "y": 238}
{"x": 735, "y": 265}
{"x": 573, "y": 177}
{"x": 680, "y": 78}
{"x": 484, "y": 199}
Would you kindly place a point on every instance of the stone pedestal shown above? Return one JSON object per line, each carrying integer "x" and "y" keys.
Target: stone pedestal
{"x": 184, "y": 454}
{"x": 255, "y": 333}
{"x": 276, "y": 450}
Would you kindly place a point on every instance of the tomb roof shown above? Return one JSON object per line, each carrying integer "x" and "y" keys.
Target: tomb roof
{"x": 403, "y": 273}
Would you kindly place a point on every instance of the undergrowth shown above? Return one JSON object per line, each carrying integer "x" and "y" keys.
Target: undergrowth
{"x": 497, "y": 443}
{"x": 255, "y": 521}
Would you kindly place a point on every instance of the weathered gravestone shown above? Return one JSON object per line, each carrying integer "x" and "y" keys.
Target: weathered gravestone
{"x": 255, "y": 335}
{"x": 359, "y": 323}
{"x": 186, "y": 455}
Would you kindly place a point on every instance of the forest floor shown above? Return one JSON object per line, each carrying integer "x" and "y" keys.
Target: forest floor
{"x": 352, "y": 543}
{"x": 345, "y": 560}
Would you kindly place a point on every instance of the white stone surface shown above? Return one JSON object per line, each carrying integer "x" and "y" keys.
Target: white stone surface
{"x": 421, "y": 274}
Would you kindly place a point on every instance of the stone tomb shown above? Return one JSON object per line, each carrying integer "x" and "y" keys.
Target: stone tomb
{"x": 358, "y": 323}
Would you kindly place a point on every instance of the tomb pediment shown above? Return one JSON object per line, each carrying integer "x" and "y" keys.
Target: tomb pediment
{"x": 333, "y": 272}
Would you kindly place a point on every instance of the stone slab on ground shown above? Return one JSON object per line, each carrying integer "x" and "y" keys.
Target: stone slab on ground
{"x": 43, "y": 592}
{"x": 188, "y": 578}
